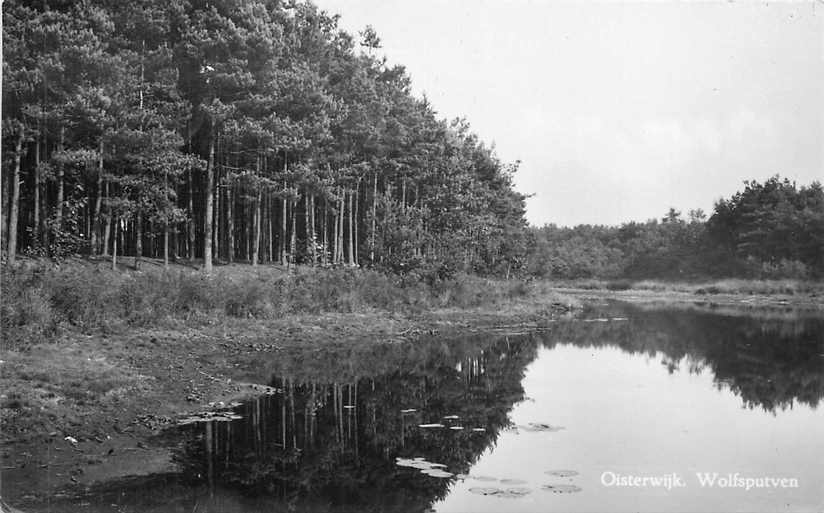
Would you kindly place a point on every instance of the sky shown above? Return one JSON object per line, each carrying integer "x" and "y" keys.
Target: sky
{"x": 618, "y": 111}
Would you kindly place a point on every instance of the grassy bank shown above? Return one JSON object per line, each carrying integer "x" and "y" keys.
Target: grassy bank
{"x": 41, "y": 300}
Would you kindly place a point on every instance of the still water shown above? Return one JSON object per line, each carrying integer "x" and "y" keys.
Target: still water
{"x": 554, "y": 420}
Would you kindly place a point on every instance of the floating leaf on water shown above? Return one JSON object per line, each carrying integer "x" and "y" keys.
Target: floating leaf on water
{"x": 451, "y": 417}
{"x": 435, "y": 472}
{"x": 482, "y": 490}
{"x": 425, "y": 426}
{"x": 348, "y": 407}
{"x": 456, "y": 428}
{"x": 540, "y": 426}
{"x": 409, "y": 410}
{"x": 514, "y": 493}
{"x": 561, "y": 473}
{"x": 561, "y": 488}
{"x": 461, "y": 476}
{"x": 418, "y": 463}
{"x": 619, "y": 319}
{"x": 482, "y": 478}
{"x": 513, "y": 481}
{"x": 479, "y": 429}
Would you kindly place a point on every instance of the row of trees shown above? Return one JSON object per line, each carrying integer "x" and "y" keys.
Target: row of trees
{"x": 770, "y": 229}
{"x": 251, "y": 130}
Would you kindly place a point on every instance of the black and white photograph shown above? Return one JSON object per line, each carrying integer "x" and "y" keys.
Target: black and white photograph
{"x": 412, "y": 256}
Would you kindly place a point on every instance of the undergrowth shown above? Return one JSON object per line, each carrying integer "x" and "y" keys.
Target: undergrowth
{"x": 39, "y": 299}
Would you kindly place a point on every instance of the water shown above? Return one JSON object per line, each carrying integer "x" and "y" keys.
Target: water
{"x": 624, "y": 392}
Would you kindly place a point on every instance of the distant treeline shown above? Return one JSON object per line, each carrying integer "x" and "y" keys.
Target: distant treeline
{"x": 770, "y": 230}
{"x": 236, "y": 130}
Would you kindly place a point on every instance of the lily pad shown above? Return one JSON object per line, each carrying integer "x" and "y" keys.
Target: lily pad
{"x": 428, "y": 426}
{"x": 540, "y": 426}
{"x": 409, "y": 410}
{"x": 451, "y": 417}
{"x": 508, "y": 493}
{"x": 514, "y": 493}
{"x": 456, "y": 428}
{"x": 419, "y": 464}
{"x": 481, "y": 478}
{"x": 483, "y": 490}
{"x": 478, "y": 429}
{"x": 561, "y": 488}
{"x": 436, "y": 472}
{"x": 561, "y": 473}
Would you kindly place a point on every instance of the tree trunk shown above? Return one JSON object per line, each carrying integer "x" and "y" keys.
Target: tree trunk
{"x": 15, "y": 197}
{"x": 138, "y": 244}
{"x": 230, "y": 220}
{"x": 310, "y": 242}
{"x": 357, "y": 194}
{"x": 312, "y": 225}
{"x": 351, "y": 244}
{"x": 190, "y": 223}
{"x": 335, "y": 241}
{"x": 35, "y": 234}
{"x": 216, "y": 218}
{"x": 99, "y": 201}
{"x": 270, "y": 216}
{"x": 207, "y": 222}
{"x": 293, "y": 238}
{"x": 341, "y": 212}
{"x": 58, "y": 219}
{"x": 114, "y": 244}
{"x": 257, "y": 220}
{"x": 107, "y": 229}
{"x": 283, "y": 230}
{"x": 324, "y": 228}
{"x": 165, "y": 245}
{"x": 374, "y": 214}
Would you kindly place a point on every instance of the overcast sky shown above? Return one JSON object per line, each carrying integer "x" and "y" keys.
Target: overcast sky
{"x": 619, "y": 110}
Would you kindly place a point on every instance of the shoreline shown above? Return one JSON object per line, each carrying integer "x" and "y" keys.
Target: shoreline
{"x": 159, "y": 375}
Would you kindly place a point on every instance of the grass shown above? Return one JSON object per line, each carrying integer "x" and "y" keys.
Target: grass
{"x": 727, "y": 286}
{"x": 40, "y": 299}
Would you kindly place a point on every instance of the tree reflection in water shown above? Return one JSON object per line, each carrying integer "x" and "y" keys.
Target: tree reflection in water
{"x": 329, "y": 438}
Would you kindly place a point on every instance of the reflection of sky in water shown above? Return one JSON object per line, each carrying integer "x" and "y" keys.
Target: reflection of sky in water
{"x": 629, "y": 415}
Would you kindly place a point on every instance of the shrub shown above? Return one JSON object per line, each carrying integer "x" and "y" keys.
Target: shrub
{"x": 26, "y": 313}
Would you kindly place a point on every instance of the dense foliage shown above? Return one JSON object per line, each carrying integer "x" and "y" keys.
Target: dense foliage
{"x": 770, "y": 230}
{"x": 250, "y": 130}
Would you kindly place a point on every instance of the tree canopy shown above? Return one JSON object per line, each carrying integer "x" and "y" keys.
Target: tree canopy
{"x": 251, "y": 130}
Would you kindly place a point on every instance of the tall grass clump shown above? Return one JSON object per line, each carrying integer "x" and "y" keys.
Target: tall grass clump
{"x": 26, "y": 311}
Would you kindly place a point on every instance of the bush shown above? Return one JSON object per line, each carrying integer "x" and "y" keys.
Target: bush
{"x": 26, "y": 312}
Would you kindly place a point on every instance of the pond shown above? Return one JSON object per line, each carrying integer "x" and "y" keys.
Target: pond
{"x": 624, "y": 409}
